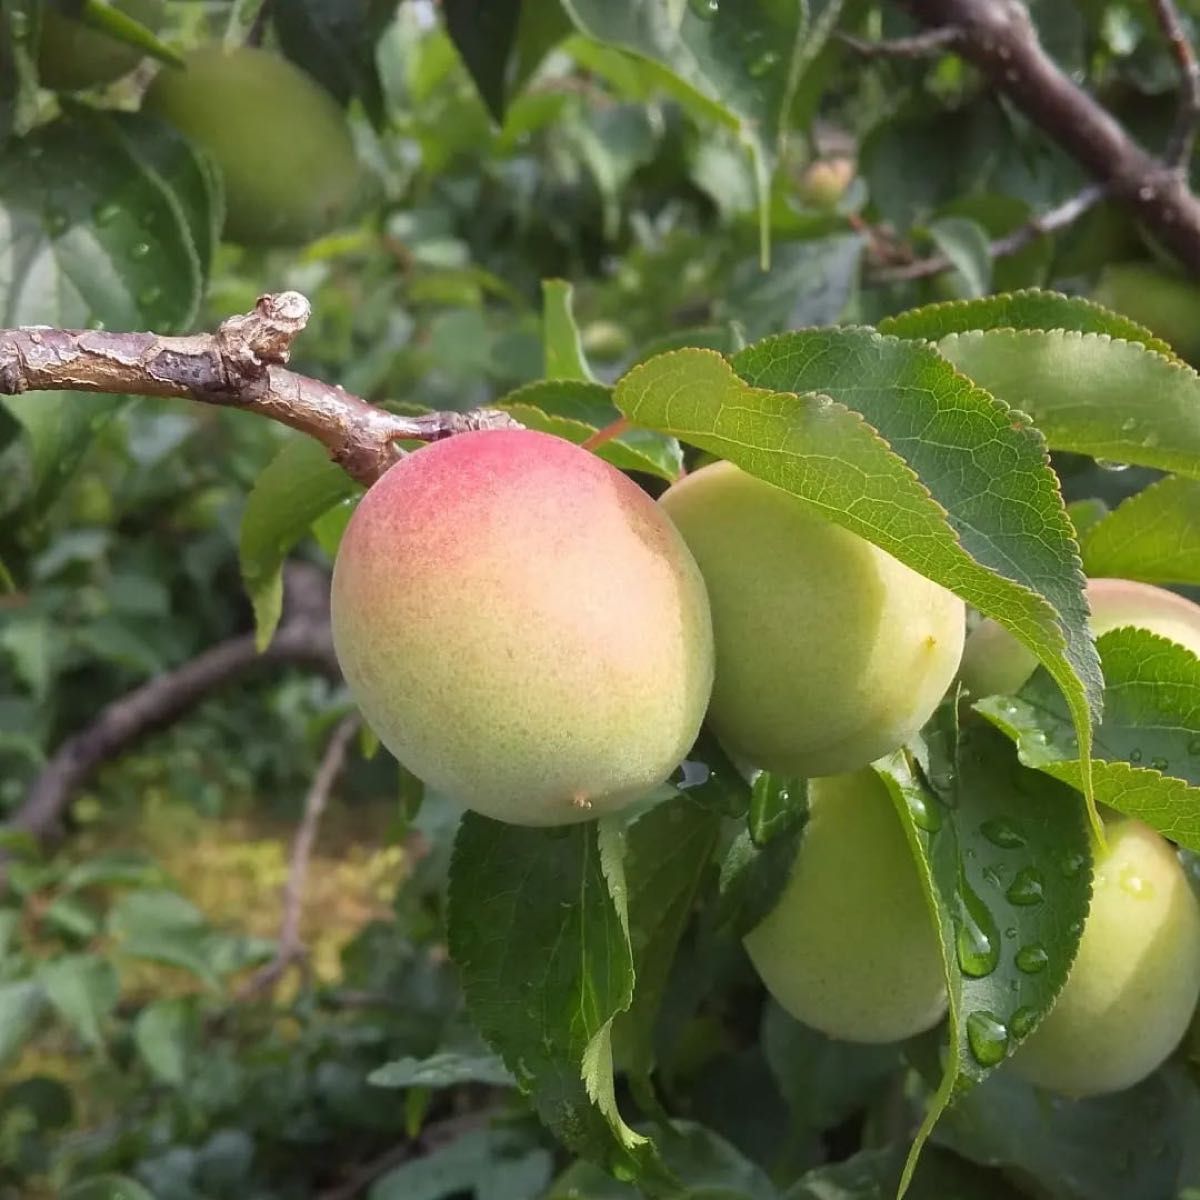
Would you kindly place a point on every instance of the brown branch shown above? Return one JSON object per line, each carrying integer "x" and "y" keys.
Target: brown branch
{"x": 303, "y": 639}
{"x": 921, "y": 45}
{"x": 291, "y": 948}
{"x": 1011, "y": 243}
{"x": 1179, "y": 148}
{"x": 998, "y": 37}
{"x": 239, "y": 366}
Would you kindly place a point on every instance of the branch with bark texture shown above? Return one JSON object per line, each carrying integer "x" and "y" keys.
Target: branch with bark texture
{"x": 304, "y": 638}
{"x": 999, "y": 38}
{"x": 291, "y": 948}
{"x": 239, "y": 366}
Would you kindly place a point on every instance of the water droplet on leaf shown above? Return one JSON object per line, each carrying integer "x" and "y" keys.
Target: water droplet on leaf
{"x": 1027, "y": 888}
{"x": 1003, "y": 833}
{"x": 1108, "y": 464}
{"x": 1032, "y": 959}
{"x": 1072, "y": 863}
{"x": 976, "y": 938}
{"x": 140, "y": 250}
{"x": 987, "y": 1036}
{"x": 1022, "y": 1021}
{"x": 1159, "y": 764}
{"x": 1135, "y": 756}
{"x": 924, "y": 814}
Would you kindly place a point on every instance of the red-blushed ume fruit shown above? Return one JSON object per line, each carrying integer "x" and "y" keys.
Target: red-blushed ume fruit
{"x": 523, "y": 627}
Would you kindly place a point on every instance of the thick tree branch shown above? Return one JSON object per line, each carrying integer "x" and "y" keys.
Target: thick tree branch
{"x": 303, "y": 639}
{"x": 999, "y": 38}
{"x": 1183, "y": 136}
{"x": 291, "y": 947}
{"x": 239, "y": 366}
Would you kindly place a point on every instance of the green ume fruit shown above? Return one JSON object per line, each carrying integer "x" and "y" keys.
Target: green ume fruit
{"x": 830, "y": 652}
{"x": 281, "y": 142}
{"x": 72, "y": 56}
{"x": 995, "y": 664}
{"x": 1134, "y": 985}
{"x": 522, "y": 627}
{"x": 851, "y": 947}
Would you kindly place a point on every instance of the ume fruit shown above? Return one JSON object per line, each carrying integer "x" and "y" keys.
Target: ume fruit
{"x": 830, "y": 652}
{"x": 851, "y": 948}
{"x": 522, "y": 627}
{"x": 1136, "y": 979}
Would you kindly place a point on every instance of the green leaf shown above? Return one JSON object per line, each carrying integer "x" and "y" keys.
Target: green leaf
{"x": 753, "y": 877}
{"x": 296, "y": 487}
{"x": 1033, "y": 308}
{"x": 19, "y": 36}
{"x": 962, "y": 494}
{"x": 106, "y": 18}
{"x": 447, "y": 1069}
{"x": 485, "y": 1163}
{"x": 108, "y": 221}
{"x": 575, "y": 410}
{"x": 668, "y": 852}
{"x": 1090, "y": 393}
{"x": 1153, "y": 536}
{"x": 872, "y": 1174}
{"x": 738, "y": 62}
{"x": 545, "y": 963}
{"x": 107, "y": 1187}
{"x": 162, "y": 1033}
{"x": 965, "y": 243}
{"x": 83, "y": 988}
{"x": 824, "y": 1081}
{"x": 21, "y": 1004}
{"x": 1004, "y": 856}
{"x": 808, "y": 283}
{"x": 560, "y": 335}
{"x": 1113, "y": 1147}
{"x": 484, "y": 33}
{"x": 1151, "y": 726}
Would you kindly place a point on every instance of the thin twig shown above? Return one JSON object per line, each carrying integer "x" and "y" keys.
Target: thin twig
{"x": 239, "y": 366}
{"x": 920, "y": 45}
{"x": 1053, "y": 221}
{"x": 999, "y": 38}
{"x": 1183, "y": 136}
{"x": 291, "y": 948}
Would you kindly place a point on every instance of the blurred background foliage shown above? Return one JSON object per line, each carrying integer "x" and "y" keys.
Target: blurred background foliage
{"x": 554, "y": 155}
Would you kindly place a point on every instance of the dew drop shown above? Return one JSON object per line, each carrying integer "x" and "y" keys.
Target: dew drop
{"x": 994, "y": 876}
{"x": 1159, "y": 764}
{"x": 763, "y": 64}
{"x": 1194, "y": 746}
{"x": 1010, "y": 932}
{"x": 1135, "y": 756}
{"x": 95, "y": 323}
{"x": 1003, "y": 833}
{"x": 1072, "y": 863}
{"x": 1108, "y": 464}
{"x": 106, "y": 214}
{"x": 139, "y": 250}
{"x": 1027, "y": 888}
{"x": 1022, "y": 1021}
{"x": 987, "y": 1036}
{"x": 924, "y": 814}
{"x": 976, "y": 938}
{"x": 1128, "y": 424}
{"x": 1032, "y": 958}
{"x": 705, "y": 9}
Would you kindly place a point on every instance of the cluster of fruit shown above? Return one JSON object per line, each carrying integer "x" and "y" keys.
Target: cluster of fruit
{"x": 534, "y": 636}
{"x": 280, "y": 142}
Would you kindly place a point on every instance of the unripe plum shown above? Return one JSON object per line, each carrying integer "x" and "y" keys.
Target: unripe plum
{"x": 73, "y": 56}
{"x": 996, "y": 664}
{"x": 1136, "y": 980}
{"x": 851, "y": 947}
{"x": 279, "y": 139}
{"x": 522, "y": 627}
{"x": 830, "y": 652}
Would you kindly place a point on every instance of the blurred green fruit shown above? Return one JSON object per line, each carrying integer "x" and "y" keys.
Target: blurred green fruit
{"x": 830, "y": 652}
{"x": 824, "y": 182}
{"x": 1168, "y": 305}
{"x": 281, "y": 142}
{"x": 851, "y": 948}
{"x": 72, "y": 56}
{"x": 1136, "y": 979}
{"x": 522, "y": 627}
{"x": 996, "y": 664}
